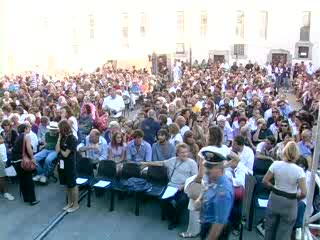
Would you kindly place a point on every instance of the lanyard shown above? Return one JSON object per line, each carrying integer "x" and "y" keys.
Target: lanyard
{"x": 175, "y": 167}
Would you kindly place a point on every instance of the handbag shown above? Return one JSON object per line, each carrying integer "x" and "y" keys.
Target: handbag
{"x": 27, "y": 164}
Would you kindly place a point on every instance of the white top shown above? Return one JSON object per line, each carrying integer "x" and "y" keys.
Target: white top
{"x": 3, "y": 152}
{"x": 34, "y": 141}
{"x": 74, "y": 126}
{"x": 223, "y": 150}
{"x": 286, "y": 176}
{"x": 237, "y": 175}
{"x": 268, "y": 114}
{"x": 116, "y": 104}
{"x": 247, "y": 158}
{"x": 176, "y": 138}
{"x": 184, "y": 129}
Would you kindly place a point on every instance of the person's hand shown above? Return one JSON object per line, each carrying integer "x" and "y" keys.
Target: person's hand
{"x": 234, "y": 156}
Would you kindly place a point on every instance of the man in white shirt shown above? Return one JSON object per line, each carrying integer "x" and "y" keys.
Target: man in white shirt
{"x": 226, "y": 129}
{"x": 114, "y": 103}
{"x": 245, "y": 153}
{"x": 310, "y": 69}
{"x": 181, "y": 121}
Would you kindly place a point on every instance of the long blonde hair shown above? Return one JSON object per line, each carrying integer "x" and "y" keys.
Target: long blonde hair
{"x": 291, "y": 152}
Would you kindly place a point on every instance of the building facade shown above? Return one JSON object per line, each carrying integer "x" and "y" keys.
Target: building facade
{"x": 74, "y": 34}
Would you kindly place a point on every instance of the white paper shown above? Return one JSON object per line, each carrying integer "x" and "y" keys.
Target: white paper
{"x": 102, "y": 184}
{"x": 263, "y": 202}
{"x": 170, "y": 192}
{"x": 81, "y": 180}
{"x": 61, "y": 164}
{"x": 10, "y": 171}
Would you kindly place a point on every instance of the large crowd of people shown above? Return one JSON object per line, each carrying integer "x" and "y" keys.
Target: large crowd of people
{"x": 211, "y": 123}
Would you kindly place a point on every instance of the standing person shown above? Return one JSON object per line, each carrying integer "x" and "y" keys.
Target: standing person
{"x": 150, "y": 127}
{"x": 3, "y": 183}
{"x": 66, "y": 148}
{"x": 282, "y": 205}
{"x": 26, "y": 182}
{"x": 217, "y": 200}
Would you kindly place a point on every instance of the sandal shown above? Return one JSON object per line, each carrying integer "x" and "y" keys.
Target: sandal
{"x": 187, "y": 235}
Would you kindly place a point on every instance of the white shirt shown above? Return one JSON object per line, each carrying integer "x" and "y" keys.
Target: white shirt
{"x": 223, "y": 150}
{"x": 176, "y": 138}
{"x": 247, "y": 158}
{"x": 184, "y": 129}
{"x": 3, "y": 152}
{"x": 286, "y": 176}
{"x": 237, "y": 175}
{"x": 34, "y": 141}
{"x": 74, "y": 126}
{"x": 116, "y": 104}
{"x": 310, "y": 69}
{"x": 274, "y": 129}
{"x": 227, "y": 133}
{"x": 268, "y": 114}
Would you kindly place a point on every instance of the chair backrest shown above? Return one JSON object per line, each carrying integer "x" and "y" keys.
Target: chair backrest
{"x": 130, "y": 170}
{"x": 157, "y": 174}
{"x": 107, "y": 169}
{"x": 84, "y": 167}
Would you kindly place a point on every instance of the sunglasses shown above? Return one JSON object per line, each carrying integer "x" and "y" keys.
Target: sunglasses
{"x": 284, "y": 125}
{"x": 275, "y": 112}
{"x": 199, "y": 121}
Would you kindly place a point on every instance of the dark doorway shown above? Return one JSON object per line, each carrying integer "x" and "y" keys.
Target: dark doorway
{"x": 279, "y": 58}
{"x": 218, "y": 58}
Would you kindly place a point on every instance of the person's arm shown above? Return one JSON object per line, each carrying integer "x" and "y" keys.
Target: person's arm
{"x": 156, "y": 163}
{"x": 29, "y": 147}
{"x": 263, "y": 157}
{"x": 148, "y": 154}
{"x": 256, "y": 135}
{"x": 267, "y": 179}
{"x": 104, "y": 150}
{"x": 303, "y": 188}
{"x": 58, "y": 144}
{"x": 124, "y": 154}
{"x": 154, "y": 156}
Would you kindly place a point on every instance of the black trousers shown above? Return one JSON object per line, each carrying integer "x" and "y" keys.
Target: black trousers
{"x": 173, "y": 207}
{"x": 26, "y": 184}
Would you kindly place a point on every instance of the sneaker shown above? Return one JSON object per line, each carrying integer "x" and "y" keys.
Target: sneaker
{"x": 8, "y": 196}
{"x": 36, "y": 178}
{"x": 43, "y": 179}
{"x": 260, "y": 228}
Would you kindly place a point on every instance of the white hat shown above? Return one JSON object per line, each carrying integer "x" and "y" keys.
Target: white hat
{"x": 221, "y": 118}
{"x": 53, "y": 126}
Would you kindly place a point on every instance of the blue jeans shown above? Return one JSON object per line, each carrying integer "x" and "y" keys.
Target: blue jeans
{"x": 48, "y": 156}
{"x": 301, "y": 210}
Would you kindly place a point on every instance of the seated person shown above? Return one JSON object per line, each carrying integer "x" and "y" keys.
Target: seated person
{"x": 43, "y": 129}
{"x": 48, "y": 153}
{"x": 117, "y": 150}
{"x": 261, "y": 133}
{"x": 306, "y": 145}
{"x": 265, "y": 155}
{"x": 94, "y": 147}
{"x": 138, "y": 150}
{"x": 163, "y": 149}
{"x": 179, "y": 169}
{"x": 245, "y": 153}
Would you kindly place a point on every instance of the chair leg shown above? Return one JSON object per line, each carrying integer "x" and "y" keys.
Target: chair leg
{"x": 137, "y": 203}
{"x": 111, "y": 200}
{"x": 89, "y": 197}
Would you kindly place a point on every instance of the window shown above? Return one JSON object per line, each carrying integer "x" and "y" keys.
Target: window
{"x": 238, "y": 50}
{"x": 240, "y": 24}
{"x": 263, "y": 31}
{"x": 46, "y": 23}
{"x": 75, "y": 45}
{"x": 203, "y": 24}
{"x": 180, "y": 22}
{"x": 180, "y": 48}
{"x": 303, "y": 52}
{"x": 143, "y": 24}
{"x": 125, "y": 30}
{"x": 305, "y": 29}
{"x": 91, "y": 26}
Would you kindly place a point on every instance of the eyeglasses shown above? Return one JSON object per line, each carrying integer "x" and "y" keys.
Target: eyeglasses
{"x": 275, "y": 112}
{"x": 284, "y": 125}
{"x": 199, "y": 121}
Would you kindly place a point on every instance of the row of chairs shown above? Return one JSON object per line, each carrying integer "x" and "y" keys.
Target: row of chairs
{"x": 107, "y": 171}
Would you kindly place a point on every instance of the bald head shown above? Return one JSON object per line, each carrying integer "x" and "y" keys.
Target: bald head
{"x": 181, "y": 121}
{"x": 151, "y": 114}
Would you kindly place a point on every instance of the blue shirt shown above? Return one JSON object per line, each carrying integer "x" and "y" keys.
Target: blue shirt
{"x": 96, "y": 154}
{"x": 144, "y": 154}
{"x": 285, "y": 110}
{"x": 304, "y": 150}
{"x": 150, "y": 129}
{"x": 217, "y": 202}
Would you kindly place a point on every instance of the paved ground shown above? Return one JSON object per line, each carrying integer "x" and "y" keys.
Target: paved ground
{"x": 19, "y": 221}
